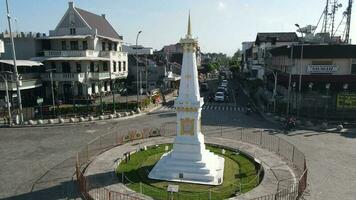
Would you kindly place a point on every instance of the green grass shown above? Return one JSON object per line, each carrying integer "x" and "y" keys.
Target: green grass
{"x": 237, "y": 168}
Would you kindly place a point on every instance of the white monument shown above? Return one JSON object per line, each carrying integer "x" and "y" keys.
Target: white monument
{"x": 189, "y": 161}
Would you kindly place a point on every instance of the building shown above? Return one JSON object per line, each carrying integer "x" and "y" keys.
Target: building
{"x": 257, "y": 53}
{"x": 139, "y": 50}
{"x": 85, "y": 54}
{"x": 327, "y": 73}
{"x": 30, "y": 81}
{"x": 27, "y": 45}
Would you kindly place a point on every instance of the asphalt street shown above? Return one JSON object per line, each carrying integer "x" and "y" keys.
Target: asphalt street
{"x": 37, "y": 163}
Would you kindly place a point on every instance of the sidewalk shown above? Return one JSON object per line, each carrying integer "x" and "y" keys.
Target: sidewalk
{"x": 89, "y": 119}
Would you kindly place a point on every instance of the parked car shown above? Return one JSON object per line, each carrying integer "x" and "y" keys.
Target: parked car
{"x": 219, "y": 96}
{"x": 223, "y": 89}
{"x": 224, "y": 83}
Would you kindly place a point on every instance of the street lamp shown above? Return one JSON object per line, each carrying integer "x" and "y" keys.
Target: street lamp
{"x": 113, "y": 96}
{"x": 300, "y": 70}
{"x": 52, "y": 90}
{"x": 294, "y": 84}
{"x": 137, "y": 83}
{"x": 18, "y": 84}
{"x": 4, "y": 77}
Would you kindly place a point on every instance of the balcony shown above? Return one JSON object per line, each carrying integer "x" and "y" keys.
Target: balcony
{"x": 24, "y": 84}
{"x": 112, "y": 54}
{"x": 79, "y": 77}
{"x": 72, "y": 53}
{"x": 99, "y": 75}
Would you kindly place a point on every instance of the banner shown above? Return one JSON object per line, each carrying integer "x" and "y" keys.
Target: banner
{"x": 346, "y": 101}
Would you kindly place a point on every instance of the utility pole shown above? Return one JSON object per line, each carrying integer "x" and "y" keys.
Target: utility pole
{"x": 52, "y": 90}
{"x": 137, "y": 83}
{"x": 15, "y": 65}
{"x": 290, "y": 79}
{"x": 300, "y": 71}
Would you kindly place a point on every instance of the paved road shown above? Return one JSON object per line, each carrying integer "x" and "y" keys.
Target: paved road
{"x": 27, "y": 154}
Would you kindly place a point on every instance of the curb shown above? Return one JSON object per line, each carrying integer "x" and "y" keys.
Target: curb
{"x": 78, "y": 121}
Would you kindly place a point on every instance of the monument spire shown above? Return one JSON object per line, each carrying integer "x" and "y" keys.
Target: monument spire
{"x": 189, "y": 33}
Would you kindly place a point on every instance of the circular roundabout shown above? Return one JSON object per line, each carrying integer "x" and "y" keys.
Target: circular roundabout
{"x": 241, "y": 174}
{"x": 116, "y": 167}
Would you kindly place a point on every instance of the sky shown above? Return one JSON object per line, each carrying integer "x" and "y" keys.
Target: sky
{"x": 219, "y": 25}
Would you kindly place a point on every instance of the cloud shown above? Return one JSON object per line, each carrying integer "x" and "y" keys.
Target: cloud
{"x": 221, "y": 5}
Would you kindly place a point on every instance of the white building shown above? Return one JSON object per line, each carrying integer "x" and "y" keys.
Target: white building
{"x": 140, "y": 50}
{"x": 85, "y": 53}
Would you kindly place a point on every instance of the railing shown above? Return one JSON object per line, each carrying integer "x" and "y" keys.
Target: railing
{"x": 266, "y": 141}
{"x": 72, "y": 53}
{"x": 99, "y": 75}
{"x": 63, "y": 76}
{"x": 110, "y": 54}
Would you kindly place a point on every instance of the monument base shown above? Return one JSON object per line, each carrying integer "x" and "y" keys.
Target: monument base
{"x": 189, "y": 162}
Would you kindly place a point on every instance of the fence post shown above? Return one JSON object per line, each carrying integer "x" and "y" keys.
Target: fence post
{"x": 279, "y": 143}
{"x": 261, "y": 139}
{"x": 117, "y": 138}
{"x": 100, "y": 141}
{"x": 221, "y": 131}
{"x": 141, "y": 187}
{"x": 293, "y": 154}
{"x": 109, "y": 195}
{"x": 87, "y": 152}
{"x": 241, "y": 134}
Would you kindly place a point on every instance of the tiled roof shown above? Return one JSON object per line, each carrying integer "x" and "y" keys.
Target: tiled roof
{"x": 98, "y": 22}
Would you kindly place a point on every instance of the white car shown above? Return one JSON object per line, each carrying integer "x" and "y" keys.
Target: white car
{"x": 219, "y": 96}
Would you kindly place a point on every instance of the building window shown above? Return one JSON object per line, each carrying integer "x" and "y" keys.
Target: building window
{"x": 64, "y": 45}
{"x": 119, "y": 66}
{"x": 105, "y": 67}
{"x": 115, "y": 47}
{"x": 109, "y": 46}
{"x": 74, "y": 45}
{"x": 91, "y": 66}
{"x": 85, "y": 45}
{"x": 53, "y": 65}
{"x": 65, "y": 67}
{"x": 124, "y": 66}
{"x": 93, "y": 88}
{"x": 103, "y": 46}
{"x": 72, "y": 31}
{"x": 114, "y": 66}
{"x": 353, "y": 69}
{"x": 79, "y": 67}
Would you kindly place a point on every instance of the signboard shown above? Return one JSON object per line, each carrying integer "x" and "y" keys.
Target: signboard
{"x": 322, "y": 69}
{"x": 2, "y": 50}
{"x": 39, "y": 101}
{"x": 346, "y": 101}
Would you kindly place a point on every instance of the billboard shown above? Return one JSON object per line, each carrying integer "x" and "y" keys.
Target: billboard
{"x": 346, "y": 101}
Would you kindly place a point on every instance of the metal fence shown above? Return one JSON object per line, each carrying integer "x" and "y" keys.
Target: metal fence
{"x": 266, "y": 141}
